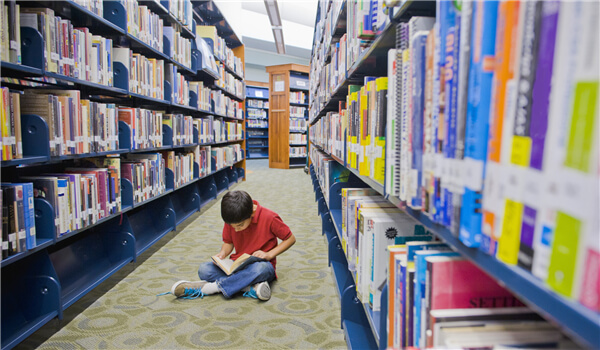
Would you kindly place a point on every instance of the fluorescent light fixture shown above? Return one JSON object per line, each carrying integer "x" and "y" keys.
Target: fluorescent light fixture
{"x": 278, "y": 35}
{"x": 275, "y": 19}
{"x": 273, "y": 12}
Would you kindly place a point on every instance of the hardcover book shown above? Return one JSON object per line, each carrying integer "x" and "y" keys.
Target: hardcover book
{"x": 231, "y": 266}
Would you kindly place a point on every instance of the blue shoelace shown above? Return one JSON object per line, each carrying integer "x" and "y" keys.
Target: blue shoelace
{"x": 191, "y": 293}
{"x": 251, "y": 294}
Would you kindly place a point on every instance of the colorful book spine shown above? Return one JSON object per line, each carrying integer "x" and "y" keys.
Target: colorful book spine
{"x": 515, "y": 210}
{"x": 576, "y": 203}
{"x": 502, "y": 89}
{"x": 418, "y": 47}
{"x": 534, "y": 144}
{"x": 479, "y": 101}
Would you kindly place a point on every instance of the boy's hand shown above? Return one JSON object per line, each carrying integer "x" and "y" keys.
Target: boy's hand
{"x": 221, "y": 255}
{"x": 262, "y": 255}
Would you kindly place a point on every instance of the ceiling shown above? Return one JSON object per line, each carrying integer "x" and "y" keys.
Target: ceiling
{"x": 250, "y": 22}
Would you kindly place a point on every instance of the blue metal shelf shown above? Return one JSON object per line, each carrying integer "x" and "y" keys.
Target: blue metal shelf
{"x": 228, "y": 93}
{"x": 8, "y": 68}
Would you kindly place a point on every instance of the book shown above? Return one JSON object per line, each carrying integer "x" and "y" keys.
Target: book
{"x": 230, "y": 266}
{"x": 394, "y": 251}
{"x": 477, "y": 119}
{"x": 501, "y": 120}
{"x": 453, "y": 282}
{"x": 420, "y": 288}
{"x": 538, "y": 125}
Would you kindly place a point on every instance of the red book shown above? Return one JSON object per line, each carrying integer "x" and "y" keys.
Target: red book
{"x": 456, "y": 283}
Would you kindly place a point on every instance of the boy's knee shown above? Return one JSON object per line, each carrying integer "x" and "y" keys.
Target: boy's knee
{"x": 204, "y": 270}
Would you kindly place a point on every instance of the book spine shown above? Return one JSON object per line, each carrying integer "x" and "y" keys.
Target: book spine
{"x": 515, "y": 211}
{"x": 537, "y": 128}
{"x": 485, "y": 17}
{"x": 418, "y": 77}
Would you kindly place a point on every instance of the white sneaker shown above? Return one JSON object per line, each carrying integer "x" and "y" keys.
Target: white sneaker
{"x": 263, "y": 290}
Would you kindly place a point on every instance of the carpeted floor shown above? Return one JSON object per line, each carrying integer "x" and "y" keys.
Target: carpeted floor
{"x": 125, "y": 312}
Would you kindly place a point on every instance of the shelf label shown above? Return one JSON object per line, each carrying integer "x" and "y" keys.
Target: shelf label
{"x": 473, "y": 173}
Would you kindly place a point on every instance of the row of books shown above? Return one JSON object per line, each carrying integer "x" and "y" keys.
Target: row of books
{"x": 144, "y": 24}
{"x": 229, "y": 82}
{"x": 10, "y": 32}
{"x": 502, "y": 170}
{"x": 10, "y": 125}
{"x": 328, "y": 133}
{"x": 297, "y": 152}
{"x": 180, "y": 86}
{"x": 18, "y": 218}
{"x": 257, "y": 103}
{"x": 227, "y": 131}
{"x": 215, "y": 101}
{"x": 95, "y": 6}
{"x": 182, "y": 10}
{"x": 297, "y": 97}
{"x": 298, "y": 124}
{"x": 146, "y": 172}
{"x": 226, "y": 156}
{"x": 182, "y": 166}
{"x": 146, "y": 75}
{"x": 364, "y": 20}
{"x": 256, "y": 113}
{"x": 69, "y": 51}
{"x": 438, "y": 299}
{"x": 220, "y": 50}
{"x": 297, "y": 112}
{"x": 298, "y": 139}
{"x": 182, "y": 126}
{"x": 80, "y": 196}
{"x": 427, "y": 282}
{"x": 505, "y": 168}
{"x": 254, "y": 123}
{"x": 180, "y": 48}
{"x": 75, "y": 125}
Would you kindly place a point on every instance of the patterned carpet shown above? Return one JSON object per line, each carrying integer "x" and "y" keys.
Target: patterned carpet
{"x": 125, "y": 313}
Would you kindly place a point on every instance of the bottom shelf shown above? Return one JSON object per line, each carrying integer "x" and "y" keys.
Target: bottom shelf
{"x": 38, "y": 287}
{"x": 357, "y": 337}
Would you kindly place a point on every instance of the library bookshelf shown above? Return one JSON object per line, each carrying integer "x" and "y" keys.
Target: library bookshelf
{"x": 40, "y": 282}
{"x": 288, "y": 144}
{"x": 257, "y": 120}
{"x": 332, "y": 79}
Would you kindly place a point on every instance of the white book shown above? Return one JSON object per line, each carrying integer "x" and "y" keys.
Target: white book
{"x": 563, "y": 74}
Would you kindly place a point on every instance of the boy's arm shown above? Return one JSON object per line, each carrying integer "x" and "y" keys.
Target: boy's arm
{"x": 281, "y": 247}
{"x": 226, "y": 249}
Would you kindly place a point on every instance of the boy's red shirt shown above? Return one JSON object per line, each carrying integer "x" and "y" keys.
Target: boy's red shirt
{"x": 261, "y": 234}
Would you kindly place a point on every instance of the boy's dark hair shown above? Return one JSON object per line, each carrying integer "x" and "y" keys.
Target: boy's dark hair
{"x": 236, "y": 206}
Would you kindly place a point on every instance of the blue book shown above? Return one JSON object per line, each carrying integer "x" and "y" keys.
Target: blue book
{"x": 420, "y": 286}
{"x": 418, "y": 46}
{"x": 438, "y": 105}
{"x": 29, "y": 214}
{"x": 450, "y": 35}
{"x": 477, "y": 123}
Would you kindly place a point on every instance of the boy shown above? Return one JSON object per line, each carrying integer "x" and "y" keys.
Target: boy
{"x": 249, "y": 228}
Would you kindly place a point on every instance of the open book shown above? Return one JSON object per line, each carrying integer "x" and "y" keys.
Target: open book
{"x": 230, "y": 266}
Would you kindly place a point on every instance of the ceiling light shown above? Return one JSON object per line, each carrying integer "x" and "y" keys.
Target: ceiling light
{"x": 273, "y": 12}
{"x": 278, "y": 35}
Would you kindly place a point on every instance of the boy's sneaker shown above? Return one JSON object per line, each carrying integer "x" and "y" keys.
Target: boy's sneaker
{"x": 261, "y": 291}
{"x": 188, "y": 289}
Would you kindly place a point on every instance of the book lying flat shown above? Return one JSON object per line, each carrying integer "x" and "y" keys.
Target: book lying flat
{"x": 230, "y": 266}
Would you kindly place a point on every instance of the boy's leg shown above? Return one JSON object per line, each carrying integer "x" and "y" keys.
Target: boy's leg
{"x": 210, "y": 272}
{"x": 253, "y": 273}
